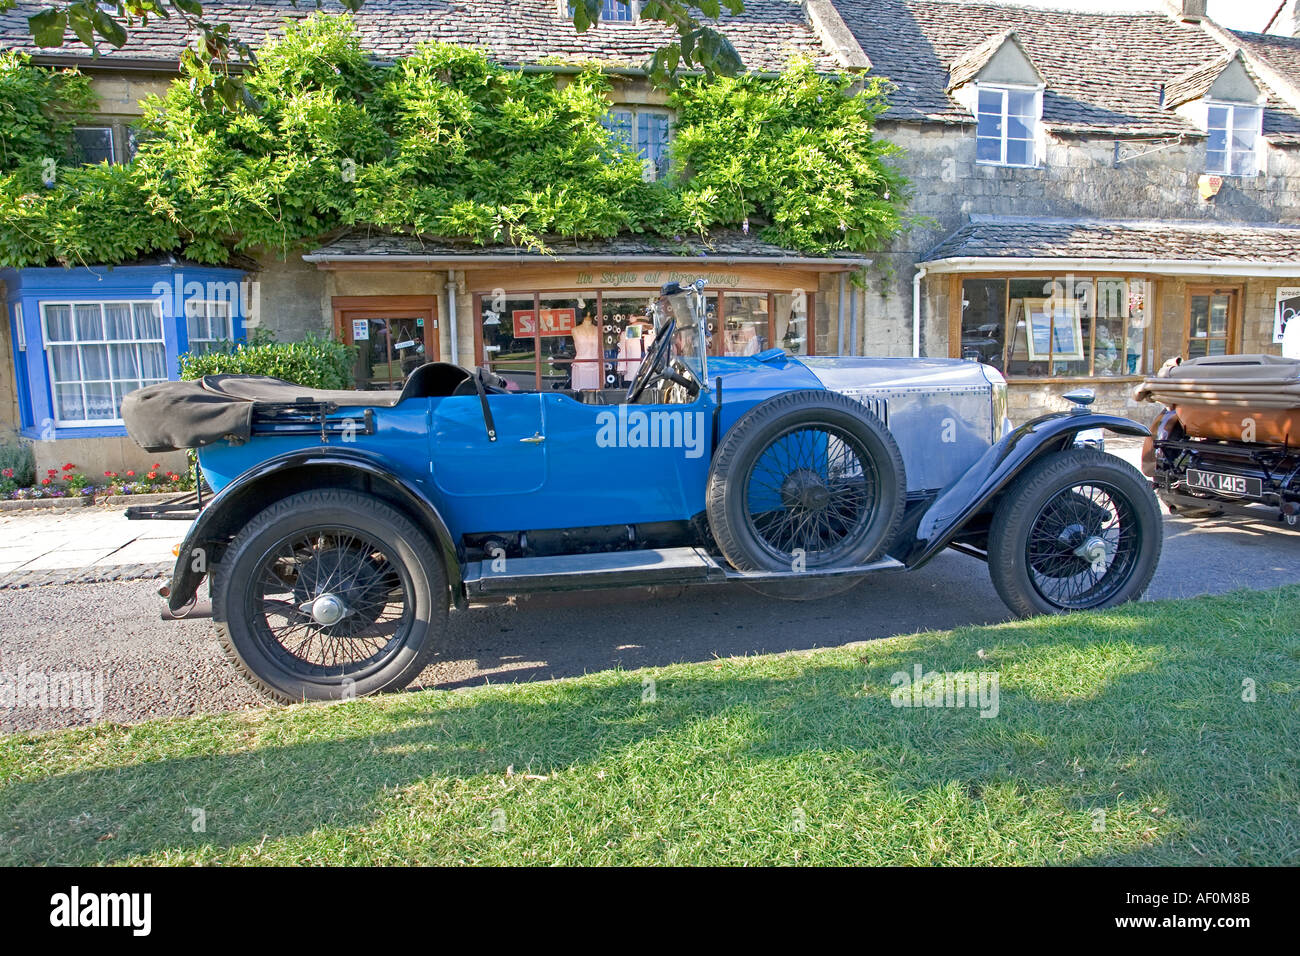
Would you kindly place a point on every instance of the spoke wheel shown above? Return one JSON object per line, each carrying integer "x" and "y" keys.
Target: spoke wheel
{"x": 1078, "y": 529}
{"x": 330, "y": 594}
{"x": 1083, "y": 545}
{"x": 331, "y": 601}
{"x": 810, "y": 493}
{"x": 805, "y": 481}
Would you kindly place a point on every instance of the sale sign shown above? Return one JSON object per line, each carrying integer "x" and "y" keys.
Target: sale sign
{"x": 553, "y": 322}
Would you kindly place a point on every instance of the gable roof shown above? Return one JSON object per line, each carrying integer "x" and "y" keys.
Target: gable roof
{"x": 1103, "y": 71}
{"x": 1196, "y": 83}
{"x": 766, "y": 35}
{"x": 971, "y": 63}
{"x": 1280, "y": 53}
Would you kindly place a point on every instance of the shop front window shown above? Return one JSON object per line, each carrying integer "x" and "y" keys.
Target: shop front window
{"x": 1067, "y": 327}
{"x": 745, "y": 324}
{"x": 792, "y": 326}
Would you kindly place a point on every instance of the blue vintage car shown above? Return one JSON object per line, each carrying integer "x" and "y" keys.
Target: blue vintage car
{"x": 346, "y": 524}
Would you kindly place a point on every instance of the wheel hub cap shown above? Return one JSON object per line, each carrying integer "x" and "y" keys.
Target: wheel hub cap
{"x": 326, "y": 610}
{"x": 1093, "y": 550}
{"x": 805, "y": 489}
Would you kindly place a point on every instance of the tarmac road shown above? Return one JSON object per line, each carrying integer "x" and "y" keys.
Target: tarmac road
{"x": 154, "y": 668}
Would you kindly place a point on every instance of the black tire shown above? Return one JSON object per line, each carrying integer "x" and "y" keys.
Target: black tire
{"x": 333, "y": 541}
{"x": 1050, "y": 522}
{"x": 809, "y": 471}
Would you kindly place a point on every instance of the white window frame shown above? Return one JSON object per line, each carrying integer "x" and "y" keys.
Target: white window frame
{"x": 112, "y": 138}
{"x": 564, "y": 7}
{"x": 1257, "y": 154}
{"x": 636, "y": 110}
{"x": 52, "y": 382}
{"x": 207, "y": 314}
{"x": 1005, "y": 89}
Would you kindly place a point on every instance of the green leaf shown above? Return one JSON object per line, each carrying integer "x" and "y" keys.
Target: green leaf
{"x": 47, "y": 27}
{"x": 108, "y": 28}
{"x": 192, "y": 7}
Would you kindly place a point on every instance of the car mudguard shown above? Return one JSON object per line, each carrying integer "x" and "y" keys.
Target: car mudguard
{"x": 287, "y": 474}
{"x": 934, "y": 527}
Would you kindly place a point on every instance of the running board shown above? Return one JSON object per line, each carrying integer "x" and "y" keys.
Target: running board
{"x": 621, "y": 569}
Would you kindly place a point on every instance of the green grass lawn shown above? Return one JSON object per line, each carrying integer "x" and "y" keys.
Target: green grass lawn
{"x": 800, "y": 758}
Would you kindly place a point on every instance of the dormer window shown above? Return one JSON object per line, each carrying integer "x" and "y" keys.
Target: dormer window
{"x": 1232, "y": 148}
{"x": 1006, "y": 129}
{"x": 611, "y": 11}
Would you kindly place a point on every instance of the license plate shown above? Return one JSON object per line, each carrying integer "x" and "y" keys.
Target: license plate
{"x": 1233, "y": 486}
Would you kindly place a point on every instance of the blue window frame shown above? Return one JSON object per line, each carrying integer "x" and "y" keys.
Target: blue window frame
{"x": 83, "y": 338}
{"x": 644, "y": 130}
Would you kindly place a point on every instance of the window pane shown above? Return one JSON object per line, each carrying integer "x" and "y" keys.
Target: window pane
{"x": 628, "y": 335}
{"x": 148, "y": 320}
{"x": 1246, "y": 119}
{"x": 652, "y": 141}
{"x": 94, "y": 363}
{"x": 792, "y": 323}
{"x": 990, "y": 101}
{"x": 1243, "y": 163}
{"x": 745, "y": 319}
{"x": 100, "y": 404}
{"x": 1019, "y": 127}
{"x": 58, "y": 323}
{"x": 619, "y": 124}
{"x": 93, "y": 144}
{"x": 90, "y": 323}
{"x": 1219, "y": 315}
{"x": 508, "y": 342}
{"x": 989, "y": 124}
{"x": 120, "y": 390}
{"x": 117, "y": 321}
{"x": 68, "y": 405}
{"x": 1031, "y": 327}
{"x": 153, "y": 362}
{"x": 1139, "y": 322}
{"x": 63, "y": 363}
{"x": 988, "y": 150}
{"x": 1216, "y": 161}
{"x": 983, "y": 320}
{"x": 1217, "y": 117}
{"x": 1020, "y": 152}
{"x": 570, "y": 344}
{"x": 1021, "y": 103}
{"x": 1217, "y": 141}
{"x": 126, "y": 361}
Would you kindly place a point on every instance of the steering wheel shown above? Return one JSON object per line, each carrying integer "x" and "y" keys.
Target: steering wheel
{"x": 653, "y": 366}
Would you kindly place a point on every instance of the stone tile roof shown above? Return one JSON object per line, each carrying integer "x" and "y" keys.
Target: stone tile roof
{"x": 1103, "y": 71}
{"x": 967, "y": 66}
{"x": 1031, "y": 238}
{"x": 1281, "y": 53}
{"x": 1197, "y": 82}
{"x": 721, "y": 245}
{"x": 766, "y": 34}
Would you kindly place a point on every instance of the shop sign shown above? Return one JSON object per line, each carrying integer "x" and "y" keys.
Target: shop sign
{"x": 1288, "y": 305}
{"x": 553, "y": 322}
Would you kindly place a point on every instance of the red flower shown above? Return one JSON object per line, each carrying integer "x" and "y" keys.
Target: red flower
{"x": 176, "y": 477}
{"x": 153, "y": 475}
{"x": 8, "y": 473}
{"x": 45, "y": 481}
{"x": 69, "y": 466}
{"x": 156, "y": 466}
{"x": 130, "y": 474}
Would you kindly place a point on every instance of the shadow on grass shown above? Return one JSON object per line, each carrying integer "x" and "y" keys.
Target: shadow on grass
{"x": 1138, "y": 712}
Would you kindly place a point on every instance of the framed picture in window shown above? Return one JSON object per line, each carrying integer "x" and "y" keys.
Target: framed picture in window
{"x": 1055, "y": 328}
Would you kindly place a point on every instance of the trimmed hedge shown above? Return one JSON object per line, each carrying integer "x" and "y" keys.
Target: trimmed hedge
{"x": 312, "y": 363}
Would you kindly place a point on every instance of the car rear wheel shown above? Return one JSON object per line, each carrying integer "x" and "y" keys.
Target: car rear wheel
{"x": 328, "y": 595}
{"x": 1080, "y": 529}
{"x": 804, "y": 481}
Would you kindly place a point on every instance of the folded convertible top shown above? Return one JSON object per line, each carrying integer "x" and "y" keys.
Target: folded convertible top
{"x": 174, "y": 415}
{"x": 1214, "y": 395}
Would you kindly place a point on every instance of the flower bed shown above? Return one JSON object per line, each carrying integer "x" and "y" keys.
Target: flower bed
{"x": 67, "y": 485}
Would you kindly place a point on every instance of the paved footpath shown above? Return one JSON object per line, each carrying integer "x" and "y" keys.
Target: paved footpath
{"x": 82, "y": 545}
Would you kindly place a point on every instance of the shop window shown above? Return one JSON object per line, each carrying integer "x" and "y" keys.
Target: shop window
{"x": 208, "y": 324}
{"x": 1232, "y": 146}
{"x": 93, "y": 144}
{"x": 1068, "y": 327}
{"x": 792, "y": 326}
{"x": 99, "y": 351}
{"x": 1209, "y": 328}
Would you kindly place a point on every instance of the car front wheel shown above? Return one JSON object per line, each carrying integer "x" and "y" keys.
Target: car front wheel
{"x": 1079, "y": 529}
{"x": 328, "y": 595}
